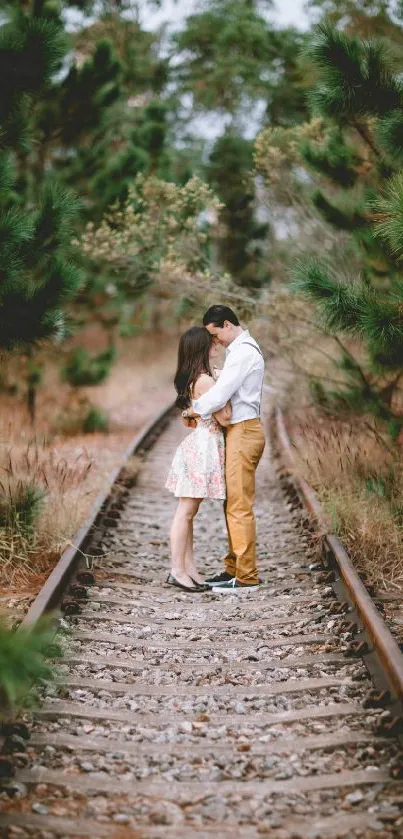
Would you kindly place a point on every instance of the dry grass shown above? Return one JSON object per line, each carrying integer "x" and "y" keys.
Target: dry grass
{"x": 360, "y": 483}
{"x": 72, "y": 469}
{"x": 25, "y": 549}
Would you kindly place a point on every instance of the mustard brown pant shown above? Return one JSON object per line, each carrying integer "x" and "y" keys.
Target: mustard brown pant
{"x": 244, "y": 448}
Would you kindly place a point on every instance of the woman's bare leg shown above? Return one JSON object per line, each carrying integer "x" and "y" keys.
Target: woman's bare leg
{"x": 180, "y": 538}
{"x": 191, "y": 569}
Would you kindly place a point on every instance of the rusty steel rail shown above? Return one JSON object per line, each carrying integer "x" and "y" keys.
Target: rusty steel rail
{"x": 379, "y": 639}
{"x": 61, "y": 576}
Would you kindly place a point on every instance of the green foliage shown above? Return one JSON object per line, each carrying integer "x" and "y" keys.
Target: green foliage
{"x": 137, "y": 49}
{"x": 338, "y": 302}
{"x": 389, "y": 136}
{"x": 31, "y": 51}
{"x": 394, "y": 426}
{"x": 353, "y": 308}
{"x": 389, "y": 209}
{"x": 352, "y": 148}
{"x": 20, "y": 507}
{"x": 153, "y": 131}
{"x": 355, "y": 78}
{"x": 318, "y": 393}
{"x": 82, "y": 369}
{"x": 102, "y": 135}
{"x": 230, "y": 56}
{"x": 81, "y": 417}
{"x": 38, "y": 274}
{"x": 347, "y": 214}
{"x": 156, "y": 236}
{"x": 95, "y": 421}
{"x": 100, "y": 106}
{"x": 142, "y": 151}
{"x": 336, "y": 158}
{"x": 229, "y": 173}
{"x": 87, "y": 91}
{"x": 214, "y": 69}
{"x": 112, "y": 182}
{"x": 23, "y": 665}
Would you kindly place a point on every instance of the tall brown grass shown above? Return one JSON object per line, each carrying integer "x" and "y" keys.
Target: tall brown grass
{"x": 359, "y": 479}
{"x": 28, "y": 543}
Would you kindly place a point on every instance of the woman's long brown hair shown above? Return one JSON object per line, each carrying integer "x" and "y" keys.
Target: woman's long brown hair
{"x": 193, "y": 360}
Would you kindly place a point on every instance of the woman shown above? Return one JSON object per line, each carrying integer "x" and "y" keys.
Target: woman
{"x": 197, "y": 469}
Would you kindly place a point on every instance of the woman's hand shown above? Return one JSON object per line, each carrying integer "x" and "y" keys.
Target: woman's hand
{"x": 189, "y": 413}
{"x": 189, "y": 418}
{"x": 189, "y": 422}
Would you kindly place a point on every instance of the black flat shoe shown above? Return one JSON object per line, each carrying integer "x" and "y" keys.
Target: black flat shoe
{"x": 201, "y": 586}
{"x": 173, "y": 582}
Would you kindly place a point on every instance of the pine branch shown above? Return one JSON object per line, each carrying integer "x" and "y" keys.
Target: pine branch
{"x": 348, "y": 214}
{"x": 355, "y": 77}
{"x": 365, "y": 135}
{"x": 381, "y": 324}
{"x": 354, "y": 361}
{"x": 389, "y": 215}
{"x": 389, "y": 133}
{"x": 335, "y": 159}
{"x": 340, "y": 304}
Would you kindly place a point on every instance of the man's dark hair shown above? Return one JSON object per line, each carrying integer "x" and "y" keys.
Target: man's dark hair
{"x": 218, "y": 314}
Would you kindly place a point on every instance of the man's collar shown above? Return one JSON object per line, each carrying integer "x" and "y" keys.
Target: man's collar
{"x": 238, "y": 340}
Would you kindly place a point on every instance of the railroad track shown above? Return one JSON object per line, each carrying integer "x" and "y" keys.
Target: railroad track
{"x": 202, "y": 715}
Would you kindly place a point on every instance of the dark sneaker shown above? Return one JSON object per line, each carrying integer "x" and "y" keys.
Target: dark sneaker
{"x": 219, "y": 578}
{"x": 232, "y": 586}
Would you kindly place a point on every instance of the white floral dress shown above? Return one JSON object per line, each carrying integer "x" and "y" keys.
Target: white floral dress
{"x": 197, "y": 469}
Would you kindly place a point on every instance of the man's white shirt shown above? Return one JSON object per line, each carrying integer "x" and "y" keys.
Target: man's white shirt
{"x": 241, "y": 381}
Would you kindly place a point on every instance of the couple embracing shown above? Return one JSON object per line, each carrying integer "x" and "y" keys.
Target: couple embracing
{"x": 219, "y": 458}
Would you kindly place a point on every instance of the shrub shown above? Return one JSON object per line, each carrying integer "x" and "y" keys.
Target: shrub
{"x": 81, "y": 417}
{"x": 95, "y": 420}
{"x": 83, "y": 369}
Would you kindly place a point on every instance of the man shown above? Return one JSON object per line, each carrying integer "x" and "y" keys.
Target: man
{"x": 241, "y": 381}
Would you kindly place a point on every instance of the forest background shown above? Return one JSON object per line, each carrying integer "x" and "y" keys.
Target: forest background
{"x": 145, "y": 174}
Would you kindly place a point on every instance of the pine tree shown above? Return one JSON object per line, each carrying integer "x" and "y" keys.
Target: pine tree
{"x": 92, "y": 122}
{"x": 229, "y": 57}
{"x": 240, "y": 245}
{"x": 232, "y": 62}
{"x": 102, "y": 125}
{"x": 359, "y": 97}
{"x": 78, "y": 130}
{"x": 38, "y": 272}
{"x": 144, "y": 151}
